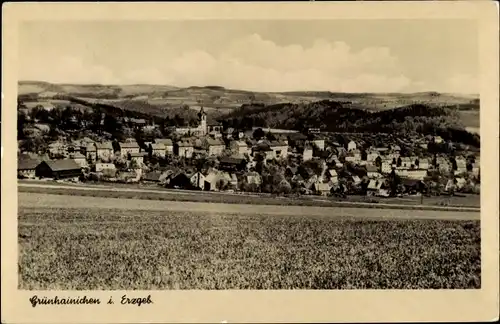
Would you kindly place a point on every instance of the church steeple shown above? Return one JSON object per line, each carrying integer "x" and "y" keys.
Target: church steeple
{"x": 203, "y": 121}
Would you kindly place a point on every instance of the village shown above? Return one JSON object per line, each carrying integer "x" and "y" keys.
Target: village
{"x": 261, "y": 160}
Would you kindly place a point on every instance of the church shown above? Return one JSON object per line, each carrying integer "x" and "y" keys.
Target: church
{"x": 204, "y": 127}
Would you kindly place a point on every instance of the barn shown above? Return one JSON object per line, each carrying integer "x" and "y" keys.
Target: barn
{"x": 58, "y": 169}
{"x": 26, "y": 168}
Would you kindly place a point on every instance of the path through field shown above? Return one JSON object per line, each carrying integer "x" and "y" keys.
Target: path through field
{"x": 80, "y": 202}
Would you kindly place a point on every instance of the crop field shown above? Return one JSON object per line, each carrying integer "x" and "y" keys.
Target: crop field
{"x": 108, "y": 248}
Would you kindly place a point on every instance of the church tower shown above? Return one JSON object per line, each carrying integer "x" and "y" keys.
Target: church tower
{"x": 203, "y": 122}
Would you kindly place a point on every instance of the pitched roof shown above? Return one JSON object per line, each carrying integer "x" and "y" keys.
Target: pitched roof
{"x": 297, "y": 136}
{"x": 91, "y": 148}
{"x": 332, "y": 173}
{"x": 27, "y": 164}
{"x": 371, "y": 168}
{"x": 62, "y": 165}
{"x": 124, "y": 145}
{"x": 213, "y": 142}
{"x": 104, "y": 146}
{"x": 158, "y": 146}
{"x": 240, "y": 143}
{"x": 164, "y": 141}
{"x": 78, "y": 155}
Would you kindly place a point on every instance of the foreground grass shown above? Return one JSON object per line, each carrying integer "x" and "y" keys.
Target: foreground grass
{"x": 111, "y": 249}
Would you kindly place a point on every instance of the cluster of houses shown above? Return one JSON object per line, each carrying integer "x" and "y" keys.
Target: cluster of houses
{"x": 238, "y": 153}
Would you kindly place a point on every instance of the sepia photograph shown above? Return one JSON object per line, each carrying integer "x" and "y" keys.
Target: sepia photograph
{"x": 292, "y": 154}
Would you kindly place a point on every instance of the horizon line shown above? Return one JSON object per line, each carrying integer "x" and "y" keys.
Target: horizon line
{"x": 246, "y": 90}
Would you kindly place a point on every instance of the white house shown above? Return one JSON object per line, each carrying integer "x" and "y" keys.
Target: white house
{"x": 423, "y": 163}
{"x": 239, "y": 147}
{"x": 412, "y": 174}
{"x": 127, "y": 148}
{"x": 167, "y": 142}
{"x": 137, "y": 158}
{"x": 214, "y": 147}
{"x": 372, "y": 172}
{"x": 158, "y": 149}
{"x": 351, "y": 146}
{"x": 185, "y": 149}
{"x": 332, "y": 174}
{"x": 308, "y": 153}
{"x": 319, "y": 143}
{"x": 198, "y": 180}
{"x": 104, "y": 150}
{"x": 386, "y": 167}
{"x": 438, "y": 139}
{"x": 279, "y": 148}
{"x": 99, "y": 167}
{"x": 372, "y": 155}
{"x": 91, "y": 152}
{"x": 461, "y": 164}
{"x": 79, "y": 159}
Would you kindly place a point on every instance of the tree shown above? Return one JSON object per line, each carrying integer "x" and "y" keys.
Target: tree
{"x": 21, "y": 120}
{"x": 378, "y": 162}
{"x": 394, "y": 183}
{"x": 258, "y": 134}
{"x": 270, "y": 136}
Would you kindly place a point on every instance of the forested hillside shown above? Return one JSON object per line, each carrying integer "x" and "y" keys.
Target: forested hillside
{"x": 337, "y": 116}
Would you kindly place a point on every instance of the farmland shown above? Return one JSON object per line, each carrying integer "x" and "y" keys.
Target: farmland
{"x": 156, "y": 99}
{"x": 104, "y": 243}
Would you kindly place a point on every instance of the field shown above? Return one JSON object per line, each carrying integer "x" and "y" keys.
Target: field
{"x": 96, "y": 249}
{"x": 153, "y": 192}
{"x": 218, "y": 97}
{"x": 104, "y": 243}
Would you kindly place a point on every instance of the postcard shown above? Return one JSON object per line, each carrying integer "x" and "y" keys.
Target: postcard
{"x": 250, "y": 162}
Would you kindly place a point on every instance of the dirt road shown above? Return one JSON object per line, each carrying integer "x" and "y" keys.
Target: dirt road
{"x": 37, "y": 200}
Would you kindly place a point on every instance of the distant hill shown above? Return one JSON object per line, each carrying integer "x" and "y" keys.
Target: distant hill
{"x": 168, "y": 101}
{"x": 337, "y": 116}
{"x": 218, "y": 96}
{"x": 92, "y": 90}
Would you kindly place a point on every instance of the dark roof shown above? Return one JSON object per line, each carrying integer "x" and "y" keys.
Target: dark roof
{"x": 62, "y": 165}
{"x": 104, "y": 146}
{"x": 371, "y": 168}
{"x": 297, "y": 136}
{"x": 128, "y": 145}
{"x": 27, "y": 164}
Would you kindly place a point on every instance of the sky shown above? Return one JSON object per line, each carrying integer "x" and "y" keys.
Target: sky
{"x": 257, "y": 55}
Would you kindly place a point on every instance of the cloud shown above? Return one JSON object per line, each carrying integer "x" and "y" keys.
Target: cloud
{"x": 257, "y": 64}
{"x": 68, "y": 69}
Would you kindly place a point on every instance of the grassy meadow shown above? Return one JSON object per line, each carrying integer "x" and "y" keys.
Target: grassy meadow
{"x": 98, "y": 248}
